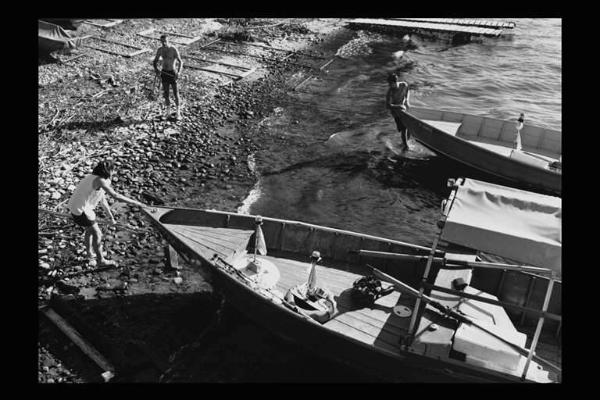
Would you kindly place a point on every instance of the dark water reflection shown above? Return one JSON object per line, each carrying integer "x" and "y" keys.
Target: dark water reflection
{"x": 340, "y": 163}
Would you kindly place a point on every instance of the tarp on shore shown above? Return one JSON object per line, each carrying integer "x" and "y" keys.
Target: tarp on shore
{"x": 70, "y": 24}
{"x": 52, "y": 37}
{"x": 523, "y": 226}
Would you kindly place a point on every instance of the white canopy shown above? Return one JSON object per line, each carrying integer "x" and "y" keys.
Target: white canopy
{"x": 512, "y": 223}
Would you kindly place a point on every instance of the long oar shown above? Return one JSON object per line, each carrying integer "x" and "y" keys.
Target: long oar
{"x": 126, "y": 227}
{"x": 455, "y": 262}
{"x": 403, "y": 287}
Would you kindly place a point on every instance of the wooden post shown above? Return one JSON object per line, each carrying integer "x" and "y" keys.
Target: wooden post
{"x": 538, "y": 329}
{"x": 413, "y": 320}
{"x": 76, "y": 338}
{"x": 172, "y": 257}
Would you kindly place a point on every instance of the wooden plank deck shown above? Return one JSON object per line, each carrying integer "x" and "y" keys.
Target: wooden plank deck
{"x": 111, "y": 23}
{"x": 207, "y": 241}
{"x": 463, "y": 21}
{"x": 377, "y": 326}
{"x": 175, "y": 37}
{"x": 434, "y": 27}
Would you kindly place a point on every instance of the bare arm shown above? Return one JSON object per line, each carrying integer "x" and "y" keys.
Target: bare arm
{"x": 156, "y": 58}
{"x": 407, "y": 98}
{"x": 106, "y": 186}
{"x": 178, "y": 58}
{"x": 107, "y": 209}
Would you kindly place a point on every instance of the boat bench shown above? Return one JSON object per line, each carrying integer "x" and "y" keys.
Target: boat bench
{"x": 436, "y": 340}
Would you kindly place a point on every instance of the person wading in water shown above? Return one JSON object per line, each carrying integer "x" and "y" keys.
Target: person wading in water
{"x": 397, "y": 100}
{"x": 168, "y": 74}
{"x": 88, "y": 193}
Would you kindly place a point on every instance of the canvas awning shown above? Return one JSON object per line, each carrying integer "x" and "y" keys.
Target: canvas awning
{"x": 52, "y": 37}
{"x": 520, "y": 225}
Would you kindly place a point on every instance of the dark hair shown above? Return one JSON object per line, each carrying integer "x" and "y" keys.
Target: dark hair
{"x": 103, "y": 169}
{"x": 163, "y": 36}
{"x": 392, "y": 78}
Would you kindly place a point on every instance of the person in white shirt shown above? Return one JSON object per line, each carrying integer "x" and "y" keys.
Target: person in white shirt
{"x": 89, "y": 192}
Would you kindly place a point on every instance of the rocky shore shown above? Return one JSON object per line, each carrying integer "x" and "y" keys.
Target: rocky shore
{"x": 145, "y": 315}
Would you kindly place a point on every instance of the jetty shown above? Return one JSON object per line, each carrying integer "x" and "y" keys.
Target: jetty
{"x": 456, "y": 28}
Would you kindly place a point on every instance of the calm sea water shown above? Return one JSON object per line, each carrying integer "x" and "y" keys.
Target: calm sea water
{"x": 333, "y": 158}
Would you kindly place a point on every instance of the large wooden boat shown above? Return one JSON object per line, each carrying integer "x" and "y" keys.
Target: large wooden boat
{"x": 488, "y": 144}
{"x": 431, "y": 327}
{"x": 52, "y": 37}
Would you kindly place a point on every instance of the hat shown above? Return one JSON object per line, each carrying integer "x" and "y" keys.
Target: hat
{"x": 316, "y": 254}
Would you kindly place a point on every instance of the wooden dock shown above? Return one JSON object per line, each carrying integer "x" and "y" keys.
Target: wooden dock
{"x": 463, "y": 21}
{"x": 435, "y": 25}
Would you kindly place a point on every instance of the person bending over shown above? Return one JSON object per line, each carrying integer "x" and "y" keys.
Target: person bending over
{"x": 89, "y": 192}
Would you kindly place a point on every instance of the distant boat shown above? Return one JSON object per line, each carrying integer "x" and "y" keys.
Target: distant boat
{"x": 490, "y": 145}
{"x": 52, "y": 37}
{"x": 70, "y": 24}
{"x": 449, "y": 334}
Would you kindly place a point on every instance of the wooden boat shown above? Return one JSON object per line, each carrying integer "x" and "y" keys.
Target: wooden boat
{"x": 71, "y": 24}
{"x": 446, "y": 339}
{"x": 488, "y": 144}
{"x": 52, "y": 37}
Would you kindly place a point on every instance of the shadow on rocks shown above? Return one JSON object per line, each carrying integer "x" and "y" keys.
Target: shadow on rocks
{"x": 137, "y": 334}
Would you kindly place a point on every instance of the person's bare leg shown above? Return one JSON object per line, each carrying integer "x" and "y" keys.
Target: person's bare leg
{"x": 167, "y": 100}
{"x": 405, "y": 137}
{"x": 97, "y": 242}
{"x": 88, "y": 242}
{"x": 176, "y": 96}
{"x": 88, "y": 246}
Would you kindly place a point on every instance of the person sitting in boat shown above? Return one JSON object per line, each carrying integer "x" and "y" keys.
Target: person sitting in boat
{"x": 397, "y": 100}
{"x": 314, "y": 301}
{"x": 88, "y": 193}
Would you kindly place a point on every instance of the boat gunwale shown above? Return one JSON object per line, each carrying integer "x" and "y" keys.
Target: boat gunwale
{"x": 243, "y": 283}
{"x": 302, "y": 224}
{"x": 485, "y": 150}
{"x": 483, "y": 117}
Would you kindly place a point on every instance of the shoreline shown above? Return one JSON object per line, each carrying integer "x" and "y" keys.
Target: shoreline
{"x": 203, "y": 161}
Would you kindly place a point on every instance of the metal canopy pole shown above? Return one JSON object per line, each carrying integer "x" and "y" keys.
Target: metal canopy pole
{"x": 413, "y": 320}
{"x": 538, "y": 329}
{"x": 446, "y": 206}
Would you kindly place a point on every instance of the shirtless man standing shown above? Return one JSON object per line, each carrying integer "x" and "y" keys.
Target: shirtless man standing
{"x": 168, "y": 74}
{"x": 397, "y": 100}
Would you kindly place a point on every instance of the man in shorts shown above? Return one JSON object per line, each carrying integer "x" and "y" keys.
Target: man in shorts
{"x": 397, "y": 100}
{"x": 168, "y": 74}
{"x": 88, "y": 193}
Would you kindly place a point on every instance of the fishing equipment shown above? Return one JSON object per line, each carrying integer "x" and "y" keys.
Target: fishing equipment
{"x": 367, "y": 289}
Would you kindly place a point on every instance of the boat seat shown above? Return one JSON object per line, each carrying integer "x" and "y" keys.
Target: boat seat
{"x": 528, "y": 159}
{"x": 436, "y": 340}
{"x": 445, "y": 126}
{"x": 482, "y": 349}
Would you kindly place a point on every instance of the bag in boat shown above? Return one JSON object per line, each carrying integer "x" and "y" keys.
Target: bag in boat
{"x": 368, "y": 289}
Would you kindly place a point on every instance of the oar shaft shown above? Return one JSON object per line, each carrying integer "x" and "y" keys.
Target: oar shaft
{"x": 403, "y": 287}
{"x": 59, "y": 214}
{"x": 397, "y": 256}
{"x": 456, "y": 262}
{"x": 407, "y": 289}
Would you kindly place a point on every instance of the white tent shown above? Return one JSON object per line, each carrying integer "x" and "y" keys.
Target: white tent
{"x": 512, "y": 223}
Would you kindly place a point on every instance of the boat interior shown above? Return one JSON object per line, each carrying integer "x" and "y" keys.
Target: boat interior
{"x": 384, "y": 324}
{"x": 540, "y": 146}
